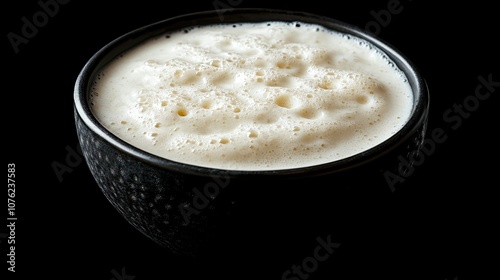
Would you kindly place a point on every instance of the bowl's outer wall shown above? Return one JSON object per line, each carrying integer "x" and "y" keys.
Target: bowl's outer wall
{"x": 156, "y": 200}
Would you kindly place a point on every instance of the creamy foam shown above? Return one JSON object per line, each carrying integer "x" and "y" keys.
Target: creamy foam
{"x": 253, "y": 96}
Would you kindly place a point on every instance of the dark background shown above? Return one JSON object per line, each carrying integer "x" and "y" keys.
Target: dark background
{"x": 442, "y": 216}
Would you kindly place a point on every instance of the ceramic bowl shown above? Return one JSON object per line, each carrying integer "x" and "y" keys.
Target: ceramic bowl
{"x": 192, "y": 210}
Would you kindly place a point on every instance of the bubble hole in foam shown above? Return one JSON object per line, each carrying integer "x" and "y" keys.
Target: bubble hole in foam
{"x": 253, "y": 96}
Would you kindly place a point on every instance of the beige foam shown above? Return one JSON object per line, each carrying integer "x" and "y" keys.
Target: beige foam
{"x": 253, "y": 97}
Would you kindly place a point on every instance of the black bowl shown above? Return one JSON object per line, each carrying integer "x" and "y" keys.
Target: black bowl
{"x": 195, "y": 211}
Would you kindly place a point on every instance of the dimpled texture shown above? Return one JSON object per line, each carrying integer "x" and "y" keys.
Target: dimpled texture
{"x": 253, "y": 96}
{"x": 148, "y": 198}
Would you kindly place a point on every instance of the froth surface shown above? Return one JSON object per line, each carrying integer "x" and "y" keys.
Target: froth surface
{"x": 253, "y": 96}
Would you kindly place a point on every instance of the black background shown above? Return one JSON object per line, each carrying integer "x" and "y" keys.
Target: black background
{"x": 443, "y": 215}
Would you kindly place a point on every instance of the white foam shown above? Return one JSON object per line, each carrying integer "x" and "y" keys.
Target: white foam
{"x": 253, "y": 97}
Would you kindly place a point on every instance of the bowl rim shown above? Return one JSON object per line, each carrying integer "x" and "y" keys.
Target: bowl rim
{"x": 234, "y": 15}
